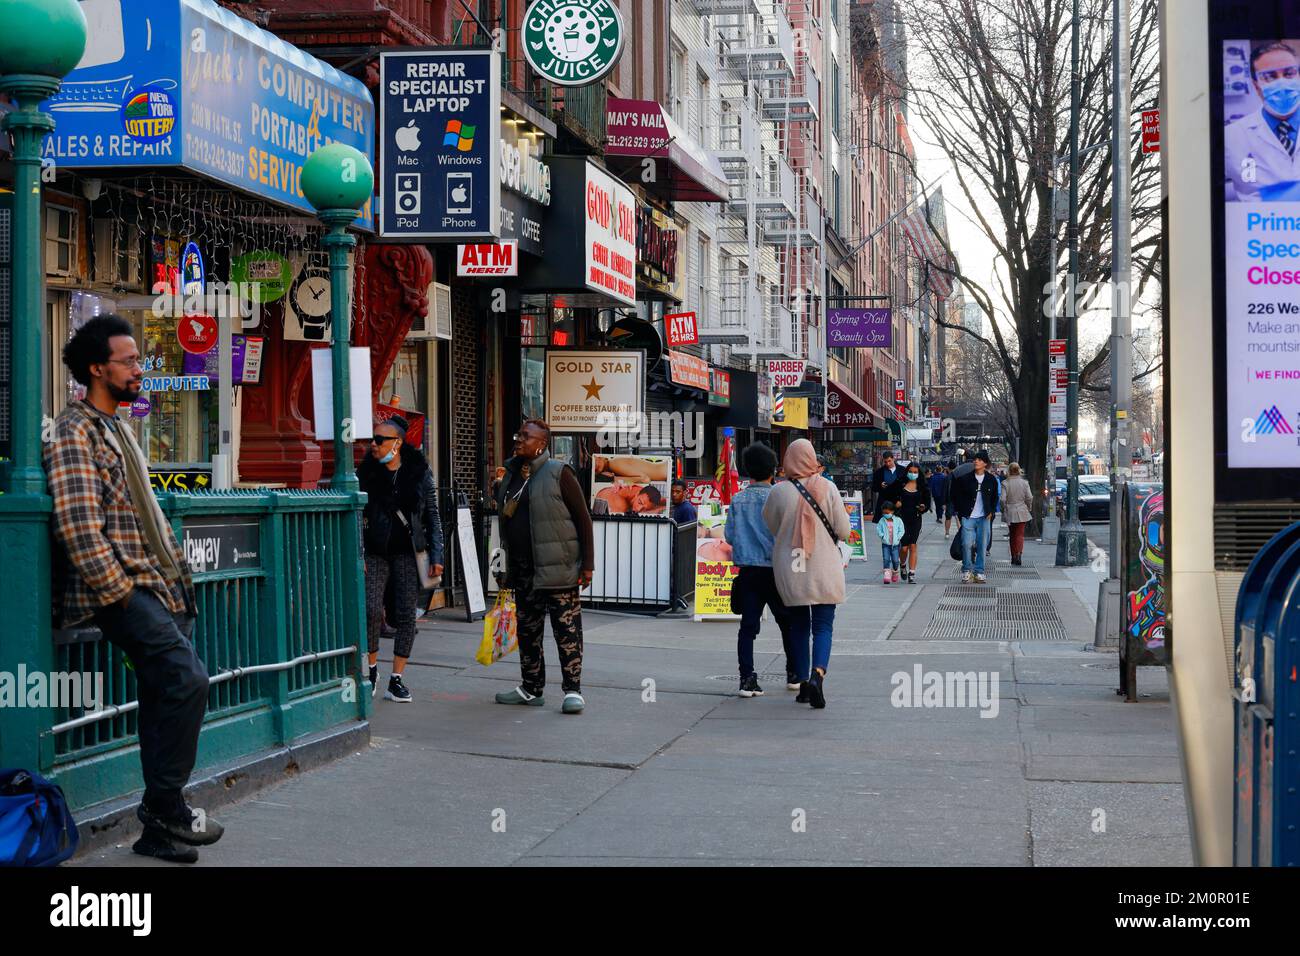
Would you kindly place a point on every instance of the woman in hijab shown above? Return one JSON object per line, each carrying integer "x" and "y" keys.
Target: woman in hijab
{"x": 806, "y": 562}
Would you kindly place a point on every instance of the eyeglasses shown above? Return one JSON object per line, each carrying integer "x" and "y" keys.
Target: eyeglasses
{"x": 382, "y": 440}
{"x": 1285, "y": 73}
{"x": 128, "y": 363}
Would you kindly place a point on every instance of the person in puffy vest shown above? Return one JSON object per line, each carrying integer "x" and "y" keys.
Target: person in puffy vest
{"x": 547, "y": 537}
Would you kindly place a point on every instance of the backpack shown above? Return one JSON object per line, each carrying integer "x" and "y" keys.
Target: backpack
{"x": 36, "y": 827}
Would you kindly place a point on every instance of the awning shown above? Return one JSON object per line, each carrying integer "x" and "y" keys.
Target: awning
{"x": 641, "y": 128}
{"x": 895, "y": 429}
{"x": 846, "y": 409}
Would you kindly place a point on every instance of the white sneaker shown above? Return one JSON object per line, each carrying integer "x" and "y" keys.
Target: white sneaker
{"x": 979, "y": 579}
{"x": 966, "y": 577}
{"x": 888, "y": 577}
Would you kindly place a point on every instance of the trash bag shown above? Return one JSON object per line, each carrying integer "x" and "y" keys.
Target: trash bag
{"x": 500, "y": 628}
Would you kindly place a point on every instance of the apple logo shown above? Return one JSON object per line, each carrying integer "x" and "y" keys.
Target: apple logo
{"x": 458, "y": 195}
{"x": 408, "y": 137}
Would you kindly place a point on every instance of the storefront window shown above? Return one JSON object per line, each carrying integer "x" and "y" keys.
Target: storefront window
{"x": 407, "y": 380}
{"x": 532, "y": 365}
{"x": 181, "y": 427}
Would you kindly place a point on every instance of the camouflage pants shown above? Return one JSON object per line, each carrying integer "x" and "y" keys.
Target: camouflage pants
{"x": 566, "y": 624}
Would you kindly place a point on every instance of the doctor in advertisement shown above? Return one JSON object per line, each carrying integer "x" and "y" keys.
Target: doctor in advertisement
{"x": 1260, "y": 157}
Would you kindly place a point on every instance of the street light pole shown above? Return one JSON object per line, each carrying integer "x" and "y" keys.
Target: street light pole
{"x": 1071, "y": 542}
{"x": 42, "y": 42}
{"x": 1121, "y": 341}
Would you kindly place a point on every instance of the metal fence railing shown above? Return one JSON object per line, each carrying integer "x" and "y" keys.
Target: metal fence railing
{"x": 280, "y": 604}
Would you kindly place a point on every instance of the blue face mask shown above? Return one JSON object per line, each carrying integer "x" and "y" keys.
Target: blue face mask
{"x": 387, "y": 458}
{"x": 912, "y": 476}
{"x": 1281, "y": 96}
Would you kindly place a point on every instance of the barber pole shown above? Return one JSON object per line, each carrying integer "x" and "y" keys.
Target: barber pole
{"x": 778, "y": 406}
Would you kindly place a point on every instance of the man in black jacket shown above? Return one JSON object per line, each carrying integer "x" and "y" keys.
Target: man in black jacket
{"x": 974, "y": 496}
{"x": 401, "y": 518}
{"x": 882, "y": 478}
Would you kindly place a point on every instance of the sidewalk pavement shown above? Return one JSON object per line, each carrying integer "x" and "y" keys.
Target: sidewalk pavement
{"x": 669, "y": 766}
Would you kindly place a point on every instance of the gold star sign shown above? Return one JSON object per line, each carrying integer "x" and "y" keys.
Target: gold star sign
{"x": 593, "y": 390}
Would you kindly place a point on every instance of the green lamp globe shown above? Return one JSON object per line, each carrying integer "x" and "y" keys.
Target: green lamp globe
{"x": 337, "y": 177}
{"x": 41, "y": 37}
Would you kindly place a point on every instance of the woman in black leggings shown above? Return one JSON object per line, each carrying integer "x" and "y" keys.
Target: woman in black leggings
{"x": 911, "y": 500}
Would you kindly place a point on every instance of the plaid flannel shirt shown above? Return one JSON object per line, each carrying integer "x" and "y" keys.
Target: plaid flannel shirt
{"x": 95, "y": 522}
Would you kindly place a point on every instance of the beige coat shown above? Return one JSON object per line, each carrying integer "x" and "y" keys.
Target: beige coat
{"x": 1017, "y": 500}
{"x": 818, "y": 579}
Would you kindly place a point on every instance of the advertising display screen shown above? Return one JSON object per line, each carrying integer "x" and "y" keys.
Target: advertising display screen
{"x": 1255, "y": 204}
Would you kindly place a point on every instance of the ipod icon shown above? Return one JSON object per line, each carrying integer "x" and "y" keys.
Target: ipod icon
{"x": 407, "y": 194}
{"x": 460, "y": 193}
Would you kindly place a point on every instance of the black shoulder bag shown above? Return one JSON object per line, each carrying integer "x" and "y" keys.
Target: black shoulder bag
{"x": 824, "y": 520}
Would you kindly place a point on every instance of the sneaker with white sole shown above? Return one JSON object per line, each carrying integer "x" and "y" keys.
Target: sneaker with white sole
{"x": 966, "y": 577}
{"x": 397, "y": 690}
{"x": 889, "y": 576}
{"x": 573, "y": 703}
{"x": 979, "y": 579}
{"x": 749, "y": 686}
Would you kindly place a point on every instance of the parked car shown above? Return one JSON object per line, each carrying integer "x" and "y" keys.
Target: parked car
{"x": 1094, "y": 497}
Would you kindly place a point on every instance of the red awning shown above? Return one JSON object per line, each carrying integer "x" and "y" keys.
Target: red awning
{"x": 846, "y": 409}
{"x": 641, "y": 128}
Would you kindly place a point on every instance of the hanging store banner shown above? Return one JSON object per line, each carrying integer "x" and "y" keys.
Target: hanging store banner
{"x": 859, "y": 328}
{"x": 682, "y": 328}
{"x": 573, "y": 42}
{"x": 439, "y": 126}
{"x": 187, "y": 83}
{"x": 689, "y": 371}
{"x": 719, "y": 387}
{"x": 844, "y": 409}
{"x": 611, "y": 236}
{"x": 587, "y": 391}
{"x": 786, "y": 373}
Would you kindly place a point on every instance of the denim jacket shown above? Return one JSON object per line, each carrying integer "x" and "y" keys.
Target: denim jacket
{"x": 751, "y": 542}
{"x": 890, "y": 528}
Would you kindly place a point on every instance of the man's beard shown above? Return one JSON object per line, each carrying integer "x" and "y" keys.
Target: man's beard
{"x": 128, "y": 393}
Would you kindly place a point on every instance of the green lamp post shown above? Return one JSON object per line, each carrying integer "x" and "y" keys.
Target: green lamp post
{"x": 41, "y": 43}
{"x": 337, "y": 180}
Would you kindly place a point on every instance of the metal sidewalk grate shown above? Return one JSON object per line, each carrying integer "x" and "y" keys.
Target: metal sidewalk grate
{"x": 1024, "y": 599}
{"x": 964, "y": 612}
{"x": 967, "y": 590}
{"x": 1020, "y": 631}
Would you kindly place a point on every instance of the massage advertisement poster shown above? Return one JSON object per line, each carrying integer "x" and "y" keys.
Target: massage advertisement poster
{"x": 630, "y": 484}
{"x": 1261, "y": 192}
{"x": 714, "y": 572}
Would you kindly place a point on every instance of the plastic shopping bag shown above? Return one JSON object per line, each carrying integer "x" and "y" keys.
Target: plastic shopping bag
{"x": 499, "y": 630}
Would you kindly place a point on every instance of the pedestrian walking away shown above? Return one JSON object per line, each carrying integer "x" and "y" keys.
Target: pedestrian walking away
{"x": 547, "y": 536}
{"x": 974, "y": 495}
{"x": 938, "y": 485}
{"x": 1018, "y": 507}
{"x": 119, "y": 564}
{"x": 754, "y": 586}
{"x": 891, "y": 529}
{"x": 911, "y": 498}
{"x": 400, "y": 521}
{"x": 807, "y": 519}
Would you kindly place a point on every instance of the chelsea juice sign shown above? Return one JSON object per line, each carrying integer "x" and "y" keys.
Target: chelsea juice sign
{"x": 573, "y": 42}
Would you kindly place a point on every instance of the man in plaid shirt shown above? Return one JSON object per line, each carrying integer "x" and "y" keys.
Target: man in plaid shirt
{"x": 125, "y": 571}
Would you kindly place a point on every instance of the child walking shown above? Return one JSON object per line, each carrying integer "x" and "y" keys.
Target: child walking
{"x": 891, "y": 530}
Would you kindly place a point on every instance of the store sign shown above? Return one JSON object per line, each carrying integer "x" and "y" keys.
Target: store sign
{"x": 196, "y": 333}
{"x": 441, "y": 174}
{"x": 225, "y": 544}
{"x": 786, "y": 373}
{"x": 900, "y": 399}
{"x": 180, "y": 83}
{"x": 682, "y": 328}
{"x": 689, "y": 371}
{"x": 488, "y": 259}
{"x": 522, "y": 170}
{"x": 192, "y": 270}
{"x": 859, "y": 328}
{"x": 176, "y": 383}
{"x": 165, "y": 480}
{"x": 657, "y": 254}
{"x": 268, "y": 272}
{"x": 611, "y": 236}
{"x": 573, "y": 42}
{"x": 844, "y": 409}
{"x": 719, "y": 387}
{"x": 587, "y": 391}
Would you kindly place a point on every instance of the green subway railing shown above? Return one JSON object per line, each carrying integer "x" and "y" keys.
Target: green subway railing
{"x": 280, "y": 628}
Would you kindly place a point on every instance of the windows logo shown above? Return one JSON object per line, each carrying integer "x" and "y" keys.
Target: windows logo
{"x": 459, "y": 136}
{"x": 1272, "y": 422}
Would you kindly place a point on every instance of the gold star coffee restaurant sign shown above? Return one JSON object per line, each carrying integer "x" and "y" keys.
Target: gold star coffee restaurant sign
{"x": 594, "y": 390}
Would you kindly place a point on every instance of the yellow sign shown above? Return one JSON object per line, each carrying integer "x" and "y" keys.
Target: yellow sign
{"x": 796, "y": 413}
{"x": 714, "y": 572}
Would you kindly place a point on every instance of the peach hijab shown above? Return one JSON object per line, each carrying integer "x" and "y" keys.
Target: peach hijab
{"x": 801, "y": 462}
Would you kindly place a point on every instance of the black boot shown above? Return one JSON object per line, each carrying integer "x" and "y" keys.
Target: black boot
{"x": 813, "y": 691}
{"x": 159, "y": 845}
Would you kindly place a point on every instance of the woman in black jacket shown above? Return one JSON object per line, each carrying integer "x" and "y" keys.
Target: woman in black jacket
{"x": 400, "y": 518}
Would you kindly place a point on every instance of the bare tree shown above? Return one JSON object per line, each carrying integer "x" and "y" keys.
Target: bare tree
{"x": 991, "y": 83}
